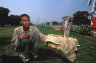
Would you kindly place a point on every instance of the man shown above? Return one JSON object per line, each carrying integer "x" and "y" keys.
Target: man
{"x": 26, "y": 37}
{"x": 93, "y": 17}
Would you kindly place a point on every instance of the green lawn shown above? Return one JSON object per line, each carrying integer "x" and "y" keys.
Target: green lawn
{"x": 86, "y": 53}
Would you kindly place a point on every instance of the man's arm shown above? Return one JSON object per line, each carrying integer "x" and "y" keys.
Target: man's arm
{"x": 42, "y": 36}
{"x": 15, "y": 38}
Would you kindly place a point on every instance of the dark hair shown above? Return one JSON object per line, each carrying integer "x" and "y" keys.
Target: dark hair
{"x": 24, "y": 15}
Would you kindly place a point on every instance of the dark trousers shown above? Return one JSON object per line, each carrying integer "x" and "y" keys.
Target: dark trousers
{"x": 30, "y": 46}
{"x": 25, "y": 48}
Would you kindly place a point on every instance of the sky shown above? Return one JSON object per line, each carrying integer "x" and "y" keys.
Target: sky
{"x": 41, "y": 11}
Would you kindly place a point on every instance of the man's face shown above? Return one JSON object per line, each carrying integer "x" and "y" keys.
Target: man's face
{"x": 25, "y": 21}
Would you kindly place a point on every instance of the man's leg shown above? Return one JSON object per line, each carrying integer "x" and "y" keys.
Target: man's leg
{"x": 24, "y": 51}
{"x": 35, "y": 40}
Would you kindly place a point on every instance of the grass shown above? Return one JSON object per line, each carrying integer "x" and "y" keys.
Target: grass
{"x": 87, "y": 50}
{"x": 86, "y": 53}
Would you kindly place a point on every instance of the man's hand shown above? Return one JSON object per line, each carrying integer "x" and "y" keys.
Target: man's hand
{"x": 44, "y": 38}
{"x": 24, "y": 36}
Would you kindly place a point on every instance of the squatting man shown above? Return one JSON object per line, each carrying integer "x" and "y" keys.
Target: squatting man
{"x": 25, "y": 38}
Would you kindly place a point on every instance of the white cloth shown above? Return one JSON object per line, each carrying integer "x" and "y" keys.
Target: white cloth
{"x": 93, "y": 13}
{"x": 68, "y": 46}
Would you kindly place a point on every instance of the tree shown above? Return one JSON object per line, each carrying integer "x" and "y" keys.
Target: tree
{"x": 3, "y": 15}
{"x": 13, "y": 20}
{"x": 47, "y": 23}
{"x": 54, "y": 23}
{"x": 81, "y": 17}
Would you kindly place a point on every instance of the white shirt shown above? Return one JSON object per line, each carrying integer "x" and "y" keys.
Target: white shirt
{"x": 32, "y": 30}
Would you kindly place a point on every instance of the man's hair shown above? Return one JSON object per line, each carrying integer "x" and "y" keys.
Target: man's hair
{"x": 24, "y": 15}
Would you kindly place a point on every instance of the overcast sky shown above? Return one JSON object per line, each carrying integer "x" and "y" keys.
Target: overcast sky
{"x": 45, "y": 10}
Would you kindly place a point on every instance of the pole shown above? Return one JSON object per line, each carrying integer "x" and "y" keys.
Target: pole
{"x": 93, "y": 5}
{"x": 38, "y": 20}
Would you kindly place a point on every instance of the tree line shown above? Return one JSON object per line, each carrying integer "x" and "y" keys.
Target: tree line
{"x": 80, "y": 17}
{"x": 5, "y": 19}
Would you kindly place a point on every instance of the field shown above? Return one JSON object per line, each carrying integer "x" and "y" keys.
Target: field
{"x": 86, "y": 53}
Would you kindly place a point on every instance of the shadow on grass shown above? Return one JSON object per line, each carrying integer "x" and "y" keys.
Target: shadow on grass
{"x": 50, "y": 53}
{"x": 4, "y": 41}
{"x": 10, "y": 59}
{"x": 43, "y": 54}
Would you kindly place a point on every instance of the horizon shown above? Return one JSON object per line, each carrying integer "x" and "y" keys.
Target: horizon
{"x": 45, "y": 10}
